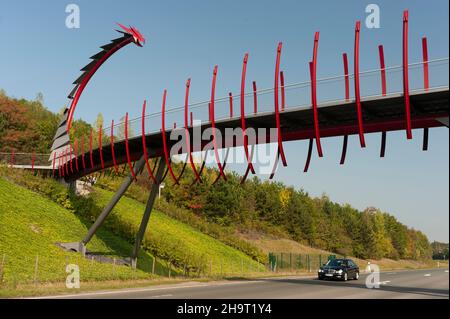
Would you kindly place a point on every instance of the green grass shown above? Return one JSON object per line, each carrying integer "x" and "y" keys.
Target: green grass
{"x": 31, "y": 224}
{"x": 178, "y": 242}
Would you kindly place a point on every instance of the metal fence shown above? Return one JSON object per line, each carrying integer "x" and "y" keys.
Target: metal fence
{"x": 287, "y": 262}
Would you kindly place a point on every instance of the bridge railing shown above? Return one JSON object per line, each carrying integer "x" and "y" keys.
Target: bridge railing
{"x": 291, "y": 96}
{"x": 296, "y": 95}
{"x": 31, "y": 160}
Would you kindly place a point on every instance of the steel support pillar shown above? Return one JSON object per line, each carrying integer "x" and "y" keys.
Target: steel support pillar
{"x": 117, "y": 196}
{"x": 148, "y": 210}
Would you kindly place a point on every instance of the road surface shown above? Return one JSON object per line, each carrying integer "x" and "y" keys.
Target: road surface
{"x": 431, "y": 283}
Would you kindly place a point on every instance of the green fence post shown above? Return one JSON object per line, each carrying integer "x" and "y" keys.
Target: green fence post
{"x": 320, "y": 261}
{"x": 290, "y": 261}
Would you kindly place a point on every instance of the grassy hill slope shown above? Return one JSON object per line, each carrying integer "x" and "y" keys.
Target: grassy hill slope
{"x": 30, "y": 225}
{"x": 176, "y": 241}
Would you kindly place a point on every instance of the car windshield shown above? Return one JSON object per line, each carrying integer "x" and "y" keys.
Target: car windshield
{"x": 335, "y": 262}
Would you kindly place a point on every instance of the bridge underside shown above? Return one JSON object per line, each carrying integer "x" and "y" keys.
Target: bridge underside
{"x": 380, "y": 114}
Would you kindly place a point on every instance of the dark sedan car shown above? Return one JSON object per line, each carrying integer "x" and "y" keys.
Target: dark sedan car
{"x": 343, "y": 269}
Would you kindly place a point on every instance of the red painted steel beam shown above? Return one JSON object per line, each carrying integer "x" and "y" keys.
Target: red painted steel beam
{"x": 283, "y": 95}
{"x": 76, "y": 153}
{"x": 100, "y": 146}
{"x": 382, "y": 70}
{"x": 347, "y": 99}
{"x": 164, "y": 139}
{"x": 255, "y": 99}
{"x": 90, "y": 150}
{"x": 186, "y": 131}
{"x": 70, "y": 158}
{"x": 243, "y": 126}
{"x": 406, "y": 76}
{"x": 113, "y": 154}
{"x": 383, "y": 144}
{"x": 66, "y": 162}
{"x": 426, "y": 80}
{"x": 346, "y": 77}
{"x": 313, "y": 71}
{"x": 383, "y": 92}
{"x": 230, "y": 99}
{"x": 276, "y": 102}
{"x": 127, "y": 147}
{"x": 144, "y": 144}
{"x": 357, "y": 85}
{"x": 213, "y": 124}
{"x": 426, "y": 86}
{"x": 308, "y": 158}
{"x": 83, "y": 162}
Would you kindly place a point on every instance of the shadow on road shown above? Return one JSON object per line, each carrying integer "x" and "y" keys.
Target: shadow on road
{"x": 361, "y": 285}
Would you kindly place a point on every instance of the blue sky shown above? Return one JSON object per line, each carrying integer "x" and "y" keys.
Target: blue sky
{"x": 187, "y": 38}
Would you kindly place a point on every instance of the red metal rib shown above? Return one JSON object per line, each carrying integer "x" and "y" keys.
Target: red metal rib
{"x": 426, "y": 86}
{"x": 186, "y": 130}
{"x": 100, "y": 146}
{"x": 383, "y": 144}
{"x": 277, "y": 110}
{"x": 213, "y": 123}
{"x": 113, "y": 155}
{"x": 347, "y": 99}
{"x": 82, "y": 153}
{"x": 90, "y": 151}
{"x": 283, "y": 96}
{"x": 314, "y": 95}
{"x": 426, "y": 82}
{"x": 66, "y": 162}
{"x": 425, "y": 139}
{"x": 357, "y": 87}
{"x": 127, "y": 148}
{"x": 255, "y": 99}
{"x": 308, "y": 159}
{"x": 244, "y": 133}
{"x": 383, "y": 92}
{"x": 70, "y": 158}
{"x": 230, "y": 98}
{"x": 144, "y": 144}
{"x": 406, "y": 77}
{"x": 346, "y": 78}
{"x": 163, "y": 134}
{"x": 76, "y": 153}
{"x": 344, "y": 150}
{"x": 383, "y": 70}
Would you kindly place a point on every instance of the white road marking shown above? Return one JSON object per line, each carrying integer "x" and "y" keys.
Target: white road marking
{"x": 446, "y": 271}
{"x": 384, "y": 282}
{"x": 427, "y": 275}
{"x": 391, "y": 273}
{"x": 168, "y": 295}
{"x": 143, "y": 290}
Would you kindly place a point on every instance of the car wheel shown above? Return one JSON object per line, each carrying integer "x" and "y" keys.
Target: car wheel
{"x": 320, "y": 278}
{"x": 345, "y": 277}
{"x": 357, "y": 275}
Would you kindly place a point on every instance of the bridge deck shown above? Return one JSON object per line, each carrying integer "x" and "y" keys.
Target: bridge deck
{"x": 380, "y": 113}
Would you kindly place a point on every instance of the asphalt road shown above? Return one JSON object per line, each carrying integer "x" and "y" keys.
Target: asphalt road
{"x": 432, "y": 283}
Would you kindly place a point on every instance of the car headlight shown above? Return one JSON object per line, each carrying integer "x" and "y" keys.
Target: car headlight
{"x": 340, "y": 271}
{"x": 320, "y": 270}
